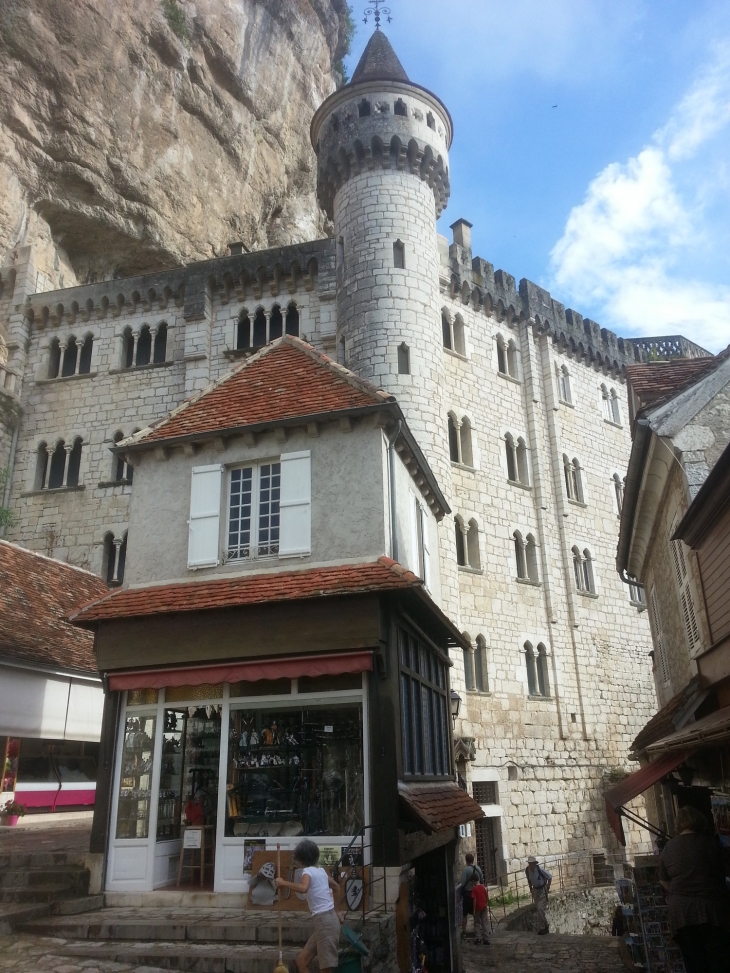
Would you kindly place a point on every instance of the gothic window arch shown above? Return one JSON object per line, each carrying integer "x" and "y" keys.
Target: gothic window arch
{"x": 127, "y": 348}
{"x": 511, "y": 455}
{"x": 520, "y": 561}
{"x": 481, "y": 675}
{"x": 399, "y": 255}
{"x": 531, "y": 559}
{"x": 143, "y": 354}
{"x": 573, "y": 479}
{"x": 74, "y": 463}
{"x": 159, "y": 353}
{"x": 468, "y": 659}
{"x": 618, "y": 492}
{"x": 615, "y": 407}
{"x": 453, "y": 438}
{"x": 459, "y": 339}
{"x": 512, "y": 366}
{"x": 404, "y": 359}
{"x": 472, "y": 545}
{"x": 610, "y": 405}
{"x": 243, "y": 331}
{"x": 583, "y": 570}
{"x": 54, "y": 358}
{"x": 70, "y": 357}
{"x": 543, "y": 674}
{"x": 466, "y": 452}
{"x": 523, "y": 463}
{"x": 446, "y": 330}
{"x": 459, "y": 537}
{"x": 292, "y": 320}
{"x": 85, "y": 354}
{"x": 259, "y": 328}
{"x": 501, "y": 356}
{"x": 564, "y": 389}
{"x": 41, "y": 467}
{"x": 531, "y": 668}
{"x": 114, "y": 558}
{"x": 276, "y": 323}
{"x": 57, "y": 466}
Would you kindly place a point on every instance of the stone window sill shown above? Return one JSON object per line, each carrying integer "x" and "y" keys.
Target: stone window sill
{"x": 640, "y": 605}
{"x": 468, "y": 569}
{"x": 587, "y": 594}
{"x": 509, "y": 378}
{"x": 43, "y": 493}
{"x": 456, "y": 354}
{"x": 463, "y": 466}
{"x": 522, "y": 486}
{"x": 65, "y": 378}
{"x": 570, "y": 405}
{"x": 479, "y": 692}
{"x": 610, "y": 422}
{"x": 539, "y": 698}
{"x": 113, "y": 483}
{"x": 577, "y": 503}
{"x": 534, "y": 584}
{"x": 140, "y": 368}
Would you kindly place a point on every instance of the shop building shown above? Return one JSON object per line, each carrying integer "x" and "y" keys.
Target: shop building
{"x": 51, "y": 698}
{"x": 276, "y": 660}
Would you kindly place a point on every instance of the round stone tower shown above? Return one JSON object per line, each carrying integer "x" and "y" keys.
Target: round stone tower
{"x": 382, "y": 147}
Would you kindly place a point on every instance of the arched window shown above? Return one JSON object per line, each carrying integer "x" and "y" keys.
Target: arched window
{"x": 430, "y": 121}
{"x": 122, "y": 560}
{"x": 618, "y": 491}
{"x": 578, "y": 481}
{"x": 512, "y": 359}
{"x": 615, "y": 407}
{"x": 160, "y": 350}
{"x": 453, "y": 440}
{"x": 472, "y": 545}
{"x": 74, "y": 463}
{"x": 119, "y": 463}
{"x": 460, "y": 545}
{"x": 606, "y": 404}
{"x": 57, "y": 469}
{"x": 523, "y": 466}
{"x": 446, "y": 330}
{"x": 532, "y": 684}
{"x": 114, "y": 558}
{"x": 481, "y": 676}
{"x": 292, "y": 320}
{"x": 70, "y": 356}
{"x": 573, "y": 479}
{"x": 459, "y": 341}
{"x": 341, "y": 252}
{"x": 399, "y": 255}
{"x": 259, "y": 328}
{"x": 85, "y": 356}
{"x": 400, "y": 108}
{"x": 543, "y": 675}
{"x": 144, "y": 347}
{"x": 363, "y": 109}
{"x": 468, "y": 657}
{"x": 578, "y": 569}
{"x": 127, "y": 348}
{"x": 564, "y": 392}
{"x": 590, "y": 584}
{"x": 243, "y": 331}
{"x": 404, "y": 359}
{"x": 54, "y": 359}
{"x": 520, "y": 564}
{"x": 501, "y": 356}
{"x": 41, "y": 466}
{"x": 531, "y": 558}
{"x": 467, "y": 456}
{"x": 511, "y": 455}
{"x": 276, "y": 323}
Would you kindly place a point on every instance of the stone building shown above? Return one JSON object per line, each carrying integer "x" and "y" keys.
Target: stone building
{"x": 518, "y": 404}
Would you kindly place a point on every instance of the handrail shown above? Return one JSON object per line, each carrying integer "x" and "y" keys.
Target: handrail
{"x": 360, "y": 833}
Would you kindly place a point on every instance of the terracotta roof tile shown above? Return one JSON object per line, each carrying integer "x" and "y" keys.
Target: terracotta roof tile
{"x": 347, "y": 579}
{"x": 657, "y": 382}
{"x": 36, "y": 595}
{"x": 287, "y": 379}
{"x": 439, "y": 806}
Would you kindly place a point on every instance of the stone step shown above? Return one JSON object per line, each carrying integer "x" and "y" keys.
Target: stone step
{"x": 36, "y": 893}
{"x": 18, "y": 877}
{"x": 13, "y": 915}
{"x": 191, "y": 958}
{"x": 47, "y": 859}
{"x": 77, "y": 906}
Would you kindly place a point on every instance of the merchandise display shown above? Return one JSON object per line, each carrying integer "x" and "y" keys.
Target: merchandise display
{"x": 189, "y": 771}
{"x": 647, "y": 941}
{"x": 295, "y": 771}
{"x": 133, "y": 811}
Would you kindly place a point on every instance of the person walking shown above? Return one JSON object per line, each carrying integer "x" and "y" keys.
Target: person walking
{"x": 470, "y": 876}
{"x": 480, "y": 899}
{"x": 692, "y": 871}
{"x": 539, "y": 881}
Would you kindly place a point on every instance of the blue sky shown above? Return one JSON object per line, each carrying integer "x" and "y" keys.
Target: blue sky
{"x": 618, "y": 199}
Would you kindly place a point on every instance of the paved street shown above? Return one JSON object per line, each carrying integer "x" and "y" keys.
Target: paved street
{"x": 34, "y": 954}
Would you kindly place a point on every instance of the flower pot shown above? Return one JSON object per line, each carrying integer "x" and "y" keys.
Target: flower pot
{"x": 10, "y": 819}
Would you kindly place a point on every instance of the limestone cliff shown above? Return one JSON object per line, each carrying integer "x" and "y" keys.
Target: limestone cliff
{"x": 138, "y": 134}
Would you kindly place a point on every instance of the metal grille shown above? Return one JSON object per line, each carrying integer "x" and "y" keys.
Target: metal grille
{"x": 485, "y": 791}
{"x": 487, "y": 848}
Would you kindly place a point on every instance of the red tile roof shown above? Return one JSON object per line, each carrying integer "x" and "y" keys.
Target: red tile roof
{"x": 36, "y": 595}
{"x": 439, "y": 806}
{"x": 285, "y": 380}
{"x": 347, "y": 579}
{"x": 657, "y": 382}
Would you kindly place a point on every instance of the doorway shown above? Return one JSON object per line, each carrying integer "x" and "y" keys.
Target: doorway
{"x": 431, "y": 901}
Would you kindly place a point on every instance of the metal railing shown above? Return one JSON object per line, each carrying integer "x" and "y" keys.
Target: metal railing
{"x": 360, "y": 853}
{"x": 570, "y": 872}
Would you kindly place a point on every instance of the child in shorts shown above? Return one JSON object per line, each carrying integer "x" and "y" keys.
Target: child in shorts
{"x": 480, "y": 898}
{"x": 317, "y": 887}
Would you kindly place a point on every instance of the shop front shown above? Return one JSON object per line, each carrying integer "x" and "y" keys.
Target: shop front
{"x": 242, "y": 764}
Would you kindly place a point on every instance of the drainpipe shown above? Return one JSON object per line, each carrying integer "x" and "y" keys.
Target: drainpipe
{"x": 11, "y": 465}
{"x": 391, "y": 474}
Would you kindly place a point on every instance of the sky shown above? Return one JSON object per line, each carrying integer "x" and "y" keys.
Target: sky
{"x": 591, "y": 148}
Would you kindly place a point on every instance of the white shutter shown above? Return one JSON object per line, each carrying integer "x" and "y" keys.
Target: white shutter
{"x": 414, "y": 558}
{"x": 295, "y": 506}
{"x": 205, "y": 512}
{"x": 684, "y": 584}
{"x": 661, "y": 663}
{"x": 427, "y": 570}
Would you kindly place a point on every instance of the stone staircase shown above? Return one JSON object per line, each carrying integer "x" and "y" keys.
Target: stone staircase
{"x": 38, "y": 885}
{"x": 195, "y": 939}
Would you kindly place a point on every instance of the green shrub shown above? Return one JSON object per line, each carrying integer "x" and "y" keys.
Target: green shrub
{"x": 175, "y": 16}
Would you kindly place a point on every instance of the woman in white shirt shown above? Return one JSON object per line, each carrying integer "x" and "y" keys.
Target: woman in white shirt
{"x": 317, "y": 886}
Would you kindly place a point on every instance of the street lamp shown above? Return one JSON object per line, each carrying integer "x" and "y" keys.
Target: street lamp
{"x": 455, "y": 700}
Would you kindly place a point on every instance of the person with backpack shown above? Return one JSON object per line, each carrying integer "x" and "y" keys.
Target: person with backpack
{"x": 539, "y": 881}
{"x": 470, "y": 876}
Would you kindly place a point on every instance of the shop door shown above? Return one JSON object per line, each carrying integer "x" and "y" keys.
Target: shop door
{"x": 188, "y": 795}
{"x": 430, "y": 899}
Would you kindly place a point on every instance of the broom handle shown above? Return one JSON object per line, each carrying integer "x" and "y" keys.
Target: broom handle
{"x": 278, "y": 897}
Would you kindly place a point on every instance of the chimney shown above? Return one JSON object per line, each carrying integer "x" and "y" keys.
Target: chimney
{"x": 462, "y": 234}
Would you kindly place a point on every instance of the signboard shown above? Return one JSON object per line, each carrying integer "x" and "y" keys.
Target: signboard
{"x": 192, "y": 838}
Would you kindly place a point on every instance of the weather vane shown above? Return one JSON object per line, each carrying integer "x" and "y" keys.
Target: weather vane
{"x": 377, "y": 12}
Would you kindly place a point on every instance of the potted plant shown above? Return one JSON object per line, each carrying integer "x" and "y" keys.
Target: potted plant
{"x": 11, "y": 811}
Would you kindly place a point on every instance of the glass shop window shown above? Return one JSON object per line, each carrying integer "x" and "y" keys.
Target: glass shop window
{"x": 424, "y": 709}
{"x": 133, "y": 810}
{"x": 295, "y": 771}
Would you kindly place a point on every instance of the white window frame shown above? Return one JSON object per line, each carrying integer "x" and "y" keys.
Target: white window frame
{"x": 255, "y": 468}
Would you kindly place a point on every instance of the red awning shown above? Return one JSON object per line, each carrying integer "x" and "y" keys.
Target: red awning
{"x": 636, "y": 783}
{"x": 287, "y": 668}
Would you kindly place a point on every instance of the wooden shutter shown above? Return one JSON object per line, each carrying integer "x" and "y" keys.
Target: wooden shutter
{"x": 296, "y": 504}
{"x": 686, "y": 598}
{"x": 661, "y": 663}
{"x": 205, "y": 512}
{"x": 427, "y": 566}
{"x": 415, "y": 553}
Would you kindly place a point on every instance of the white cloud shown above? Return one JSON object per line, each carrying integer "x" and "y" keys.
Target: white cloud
{"x": 622, "y": 247}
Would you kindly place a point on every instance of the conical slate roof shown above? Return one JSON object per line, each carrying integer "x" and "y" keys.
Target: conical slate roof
{"x": 379, "y": 62}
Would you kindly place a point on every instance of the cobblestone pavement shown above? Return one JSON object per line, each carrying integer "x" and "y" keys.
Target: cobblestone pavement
{"x": 526, "y": 952}
{"x": 71, "y": 837}
{"x": 35, "y": 954}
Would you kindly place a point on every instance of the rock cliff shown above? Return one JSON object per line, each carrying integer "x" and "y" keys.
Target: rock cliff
{"x": 138, "y": 134}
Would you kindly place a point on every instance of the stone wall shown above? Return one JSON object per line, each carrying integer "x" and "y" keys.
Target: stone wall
{"x": 588, "y": 912}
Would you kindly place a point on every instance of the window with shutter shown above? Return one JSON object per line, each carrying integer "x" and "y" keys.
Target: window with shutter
{"x": 662, "y": 663}
{"x": 415, "y": 555}
{"x": 684, "y": 580}
{"x": 427, "y": 574}
{"x": 296, "y": 504}
{"x": 204, "y": 523}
